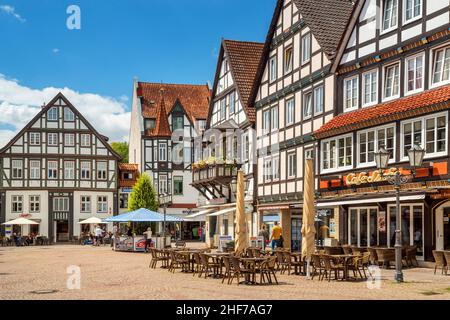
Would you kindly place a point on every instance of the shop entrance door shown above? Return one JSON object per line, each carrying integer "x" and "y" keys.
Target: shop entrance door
{"x": 363, "y": 227}
{"x": 443, "y": 227}
{"x": 62, "y": 231}
{"x": 296, "y": 234}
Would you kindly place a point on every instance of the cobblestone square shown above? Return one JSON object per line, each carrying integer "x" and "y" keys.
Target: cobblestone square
{"x": 26, "y": 272}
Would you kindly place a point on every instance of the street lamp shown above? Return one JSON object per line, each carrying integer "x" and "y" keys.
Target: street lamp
{"x": 415, "y": 155}
{"x": 164, "y": 200}
{"x": 233, "y": 185}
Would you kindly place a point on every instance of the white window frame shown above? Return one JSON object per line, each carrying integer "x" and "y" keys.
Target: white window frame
{"x": 307, "y": 106}
{"x": 292, "y": 165}
{"x": 102, "y": 170}
{"x": 433, "y": 52}
{"x": 376, "y": 146}
{"x": 232, "y": 102}
{"x": 290, "y": 111}
{"x": 162, "y": 151}
{"x": 69, "y": 170}
{"x": 35, "y": 169}
{"x": 69, "y": 116}
{"x": 53, "y": 111}
{"x": 274, "y": 118}
{"x": 35, "y": 138}
{"x": 267, "y": 170}
{"x": 266, "y": 121}
{"x": 163, "y": 184}
{"x": 276, "y": 168}
{"x": 407, "y": 59}
{"x": 18, "y": 200}
{"x": 288, "y": 61}
{"x": 178, "y": 179}
{"x": 306, "y": 48}
{"x": 102, "y": 204}
{"x": 17, "y": 168}
{"x": 273, "y": 69}
{"x": 424, "y": 141}
{"x": 352, "y": 107}
{"x": 317, "y": 111}
{"x": 86, "y": 204}
{"x": 363, "y": 87}
{"x": 52, "y": 170}
{"x": 69, "y": 139}
{"x": 385, "y": 67}
{"x": 53, "y": 140}
{"x": 61, "y": 204}
{"x": 337, "y": 168}
{"x": 391, "y": 27}
{"x": 413, "y": 18}
{"x": 85, "y": 140}
{"x": 35, "y": 204}
{"x": 85, "y": 170}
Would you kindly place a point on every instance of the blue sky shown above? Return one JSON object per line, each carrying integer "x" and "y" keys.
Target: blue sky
{"x": 155, "y": 40}
{"x": 173, "y": 41}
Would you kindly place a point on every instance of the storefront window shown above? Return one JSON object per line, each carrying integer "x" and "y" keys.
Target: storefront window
{"x": 373, "y": 227}
{"x": 418, "y": 223}
{"x": 353, "y": 227}
{"x": 363, "y": 228}
{"x": 412, "y": 226}
{"x": 323, "y": 219}
{"x": 392, "y": 226}
{"x": 406, "y": 218}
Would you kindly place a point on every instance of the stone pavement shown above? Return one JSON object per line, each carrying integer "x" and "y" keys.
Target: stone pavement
{"x": 109, "y": 275}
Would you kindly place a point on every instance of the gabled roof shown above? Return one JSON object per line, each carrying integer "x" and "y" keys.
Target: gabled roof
{"x": 162, "y": 126}
{"x": 328, "y": 21}
{"x": 416, "y": 105}
{"x": 244, "y": 58}
{"x": 44, "y": 109}
{"x": 193, "y": 98}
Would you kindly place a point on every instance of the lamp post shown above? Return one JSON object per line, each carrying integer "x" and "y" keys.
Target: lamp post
{"x": 164, "y": 200}
{"x": 415, "y": 155}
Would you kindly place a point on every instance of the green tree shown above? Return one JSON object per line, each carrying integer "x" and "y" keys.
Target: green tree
{"x": 143, "y": 195}
{"x": 122, "y": 149}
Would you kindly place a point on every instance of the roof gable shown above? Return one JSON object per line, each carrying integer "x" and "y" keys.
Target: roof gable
{"x": 62, "y": 101}
{"x": 328, "y": 21}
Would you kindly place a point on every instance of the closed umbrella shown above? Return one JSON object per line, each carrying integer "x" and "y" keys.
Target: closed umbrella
{"x": 308, "y": 228}
{"x": 241, "y": 223}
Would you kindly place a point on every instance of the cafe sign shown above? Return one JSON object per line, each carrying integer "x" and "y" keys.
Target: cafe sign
{"x": 365, "y": 178}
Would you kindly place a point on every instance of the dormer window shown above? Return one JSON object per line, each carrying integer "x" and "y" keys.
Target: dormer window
{"x": 52, "y": 114}
{"x": 390, "y": 14}
{"x": 149, "y": 124}
{"x": 201, "y": 125}
{"x": 177, "y": 122}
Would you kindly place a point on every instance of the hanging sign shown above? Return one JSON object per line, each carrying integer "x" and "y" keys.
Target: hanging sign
{"x": 382, "y": 221}
{"x": 364, "y": 177}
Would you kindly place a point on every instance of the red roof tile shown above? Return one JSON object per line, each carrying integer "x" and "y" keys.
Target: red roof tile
{"x": 128, "y": 167}
{"x": 244, "y": 58}
{"x": 194, "y": 99}
{"x": 415, "y": 105}
{"x": 127, "y": 183}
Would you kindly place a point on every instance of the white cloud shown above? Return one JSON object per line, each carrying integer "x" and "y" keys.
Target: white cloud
{"x": 19, "y": 104}
{"x": 56, "y": 50}
{"x": 11, "y": 11}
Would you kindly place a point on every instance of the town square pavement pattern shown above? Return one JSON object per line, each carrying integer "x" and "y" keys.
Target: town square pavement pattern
{"x": 116, "y": 276}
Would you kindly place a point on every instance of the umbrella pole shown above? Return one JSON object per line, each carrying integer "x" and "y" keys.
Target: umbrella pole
{"x": 308, "y": 268}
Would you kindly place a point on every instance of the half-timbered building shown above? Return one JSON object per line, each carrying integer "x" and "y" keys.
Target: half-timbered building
{"x": 294, "y": 97}
{"x": 230, "y": 139}
{"x": 393, "y": 92}
{"x": 128, "y": 176}
{"x": 165, "y": 120}
{"x": 57, "y": 171}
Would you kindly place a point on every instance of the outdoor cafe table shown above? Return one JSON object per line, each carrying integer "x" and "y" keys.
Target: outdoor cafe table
{"x": 344, "y": 258}
{"x": 217, "y": 258}
{"x": 253, "y": 264}
{"x": 190, "y": 254}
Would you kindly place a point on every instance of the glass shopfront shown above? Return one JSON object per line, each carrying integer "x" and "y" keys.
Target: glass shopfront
{"x": 411, "y": 226}
{"x": 363, "y": 227}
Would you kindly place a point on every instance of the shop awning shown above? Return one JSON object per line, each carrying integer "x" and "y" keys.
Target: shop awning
{"x": 200, "y": 213}
{"x": 221, "y": 212}
{"x": 369, "y": 200}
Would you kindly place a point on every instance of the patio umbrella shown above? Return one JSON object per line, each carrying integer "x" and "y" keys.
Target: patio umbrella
{"x": 241, "y": 223}
{"x": 92, "y": 220}
{"x": 143, "y": 215}
{"x": 308, "y": 228}
{"x": 20, "y": 222}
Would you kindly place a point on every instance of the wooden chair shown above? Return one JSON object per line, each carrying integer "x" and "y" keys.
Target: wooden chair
{"x": 411, "y": 256}
{"x": 439, "y": 258}
{"x": 373, "y": 256}
{"x": 282, "y": 263}
{"x": 239, "y": 271}
{"x": 385, "y": 257}
{"x": 208, "y": 266}
{"x": 228, "y": 269}
{"x": 198, "y": 267}
{"x": 293, "y": 261}
{"x": 158, "y": 256}
{"x": 331, "y": 266}
{"x": 268, "y": 270}
{"x": 347, "y": 249}
{"x": 178, "y": 261}
{"x": 447, "y": 259}
{"x": 317, "y": 265}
